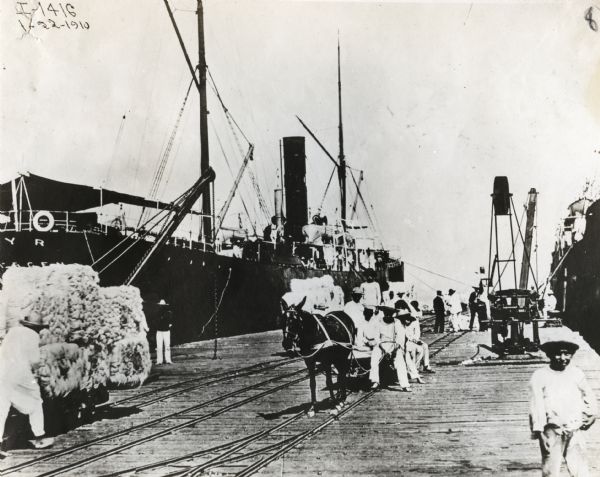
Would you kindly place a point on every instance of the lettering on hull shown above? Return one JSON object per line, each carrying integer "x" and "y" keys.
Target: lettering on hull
{"x": 37, "y": 242}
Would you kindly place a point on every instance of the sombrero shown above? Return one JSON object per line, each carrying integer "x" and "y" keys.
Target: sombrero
{"x": 36, "y": 326}
{"x": 552, "y": 347}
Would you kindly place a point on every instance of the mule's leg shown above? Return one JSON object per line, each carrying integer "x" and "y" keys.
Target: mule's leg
{"x": 329, "y": 383}
{"x": 310, "y": 365}
{"x": 343, "y": 366}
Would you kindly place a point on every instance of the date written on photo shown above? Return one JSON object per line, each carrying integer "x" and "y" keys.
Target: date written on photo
{"x": 48, "y": 16}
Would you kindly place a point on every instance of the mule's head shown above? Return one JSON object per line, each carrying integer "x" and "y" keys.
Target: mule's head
{"x": 292, "y": 324}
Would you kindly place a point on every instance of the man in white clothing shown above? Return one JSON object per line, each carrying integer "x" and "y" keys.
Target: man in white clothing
{"x": 366, "y": 332}
{"x": 390, "y": 339}
{"x": 406, "y": 320}
{"x": 19, "y": 354}
{"x": 549, "y": 303}
{"x": 370, "y": 290}
{"x": 354, "y": 308}
{"x": 417, "y": 348}
{"x": 562, "y": 405}
{"x": 455, "y": 307}
{"x": 163, "y": 333}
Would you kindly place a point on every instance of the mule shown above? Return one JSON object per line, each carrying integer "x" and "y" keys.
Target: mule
{"x": 325, "y": 340}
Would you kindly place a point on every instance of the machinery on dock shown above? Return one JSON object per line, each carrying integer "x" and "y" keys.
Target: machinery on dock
{"x": 513, "y": 310}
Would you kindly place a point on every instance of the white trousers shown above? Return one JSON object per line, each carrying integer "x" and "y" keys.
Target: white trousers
{"x": 455, "y": 321}
{"x": 399, "y": 364}
{"x": 163, "y": 338}
{"x": 33, "y": 410}
{"x": 571, "y": 447}
{"x": 418, "y": 353}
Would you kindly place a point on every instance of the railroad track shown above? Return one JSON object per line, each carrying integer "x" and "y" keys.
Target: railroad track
{"x": 138, "y": 400}
{"x": 178, "y": 415}
{"x": 258, "y": 448}
{"x": 439, "y": 345}
{"x": 255, "y": 451}
{"x": 251, "y": 452}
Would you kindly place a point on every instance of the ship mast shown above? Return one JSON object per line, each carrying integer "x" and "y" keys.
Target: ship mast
{"x": 341, "y": 157}
{"x": 204, "y": 151}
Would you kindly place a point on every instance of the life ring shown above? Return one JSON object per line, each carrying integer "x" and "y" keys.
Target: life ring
{"x": 43, "y": 221}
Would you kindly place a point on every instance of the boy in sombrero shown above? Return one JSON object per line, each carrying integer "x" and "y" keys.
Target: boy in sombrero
{"x": 562, "y": 405}
{"x": 19, "y": 354}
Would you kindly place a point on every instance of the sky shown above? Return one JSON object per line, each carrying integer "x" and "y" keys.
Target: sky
{"x": 438, "y": 99}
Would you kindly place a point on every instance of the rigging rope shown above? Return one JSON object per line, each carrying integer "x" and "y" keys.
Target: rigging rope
{"x": 214, "y": 86}
{"x": 233, "y": 174}
{"x": 376, "y": 219}
{"x": 326, "y": 189}
{"x": 158, "y": 175}
{"x": 218, "y": 304}
{"x": 373, "y": 226}
{"x": 355, "y": 203}
{"x": 115, "y": 148}
{"x": 422, "y": 281}
{"x": 232, "y": 122}
{"x": 558, "y": 266}
{"x": 139, "y": 237}
{"x": 435, "y": 273}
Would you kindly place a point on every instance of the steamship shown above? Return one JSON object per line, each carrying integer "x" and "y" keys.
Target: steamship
{"x": 575, "y": 271}
{"x": 219, "y": 282}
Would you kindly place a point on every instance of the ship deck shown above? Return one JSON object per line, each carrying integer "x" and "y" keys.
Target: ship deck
{"x": 243, "y": 414}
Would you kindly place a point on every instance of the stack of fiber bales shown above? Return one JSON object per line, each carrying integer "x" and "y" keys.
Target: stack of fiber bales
{"x": 322, "y": 295}
{"x": 129, "y": 358}
{"x": 94, "y": 336}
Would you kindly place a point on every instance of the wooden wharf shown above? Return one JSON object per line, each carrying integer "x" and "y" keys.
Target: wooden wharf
{"x": 244, "y": 414}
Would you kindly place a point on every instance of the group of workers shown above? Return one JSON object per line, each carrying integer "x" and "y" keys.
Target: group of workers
{"x": 388, "y": 328}
{"x": 451, "y": 305}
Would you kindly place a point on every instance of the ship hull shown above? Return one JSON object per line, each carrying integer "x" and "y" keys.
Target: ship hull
{"x": 576, "y": 281}
{"x": 244, "y": 293}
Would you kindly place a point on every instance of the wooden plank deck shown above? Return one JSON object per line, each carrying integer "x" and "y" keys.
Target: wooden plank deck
{"x": 466, "y": 420}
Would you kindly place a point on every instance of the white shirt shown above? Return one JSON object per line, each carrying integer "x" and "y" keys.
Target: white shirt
{"x": 454, "y": 304}
{"x": 355, "y": 311}
{"x": 560, "y": 399}
{"x": 20, "y": 350}
{"x": 367, "y": 333}
{"x": 390, "y": 335}
{"x": 413, "y": 331}
{"x": 550, "y": 302}
{"x": 371, "y": 294}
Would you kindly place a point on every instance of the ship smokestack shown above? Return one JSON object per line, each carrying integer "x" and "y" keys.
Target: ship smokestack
{"x": 296, "y": 202}
{"x": 278, "y": 197}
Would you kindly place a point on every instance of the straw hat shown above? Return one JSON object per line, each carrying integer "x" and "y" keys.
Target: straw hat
{"x": 36, "y": 325}
{"x": 552, "y": 347}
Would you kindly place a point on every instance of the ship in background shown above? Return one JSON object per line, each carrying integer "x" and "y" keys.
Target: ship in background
{"x": 575, "y": 271}
{"x": 220, "y": 281}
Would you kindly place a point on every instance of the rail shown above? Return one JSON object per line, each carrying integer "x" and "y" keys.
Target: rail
{"x": 193, "y": 420}
{"x": 51, "y": 221}
{"x": 262, "y": 447}
{"x": 312, "y": 256}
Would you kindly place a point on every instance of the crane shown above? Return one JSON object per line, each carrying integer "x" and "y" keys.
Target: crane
{"x": 236, "y": 183}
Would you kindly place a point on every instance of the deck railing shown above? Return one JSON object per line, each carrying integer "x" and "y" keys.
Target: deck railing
{"x": 324, "y": 257}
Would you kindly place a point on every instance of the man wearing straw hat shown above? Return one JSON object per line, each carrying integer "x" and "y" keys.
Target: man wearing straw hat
{"x": 562, "y": 405}
{"x": 390, "y": 338}
{"x": 19, "y": 354}
{"x": 163, "y": 333}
